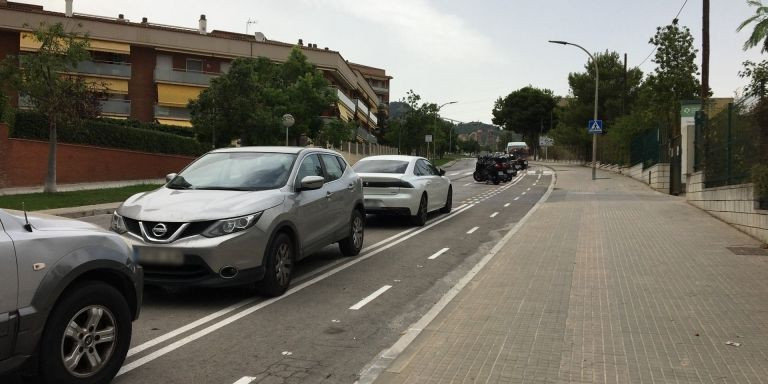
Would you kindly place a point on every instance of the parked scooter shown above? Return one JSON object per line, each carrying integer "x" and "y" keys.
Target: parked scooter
{"x": 494, "y": 168}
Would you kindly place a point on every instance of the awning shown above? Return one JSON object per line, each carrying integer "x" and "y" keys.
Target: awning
{"x": 344, "y": 112}
{"x": 173, "y": 95}
{"x": 28, "y": 43}
{"x": 113, "y": 85}
{"x": 180, "y": 123}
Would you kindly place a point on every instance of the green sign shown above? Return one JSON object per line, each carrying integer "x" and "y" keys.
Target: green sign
{"x": 688, "y": 108}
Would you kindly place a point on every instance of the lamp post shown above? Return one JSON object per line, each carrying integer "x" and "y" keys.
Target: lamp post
{"x": 434, "y": 129}
{"x": 597, "y": 82}
{"x": 288, "y": 121}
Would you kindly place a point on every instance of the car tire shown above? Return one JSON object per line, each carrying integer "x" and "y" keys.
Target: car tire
{"x": 420, "y": 218}
{"x": 279, "y": 266}
{"x": 448, "y": 202}
{"x": 100, "y": 310}
{"x": 352, "y": 244}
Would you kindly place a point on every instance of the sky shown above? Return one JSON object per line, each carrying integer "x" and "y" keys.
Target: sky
{"x": 471, "y": 52}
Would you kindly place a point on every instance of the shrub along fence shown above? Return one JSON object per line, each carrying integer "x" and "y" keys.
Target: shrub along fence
{"x": 145, "y": 137}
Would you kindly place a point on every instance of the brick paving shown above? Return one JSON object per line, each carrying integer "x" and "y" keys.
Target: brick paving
{"x": 608, "y": 282}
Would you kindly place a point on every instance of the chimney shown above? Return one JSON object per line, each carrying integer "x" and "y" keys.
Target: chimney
{"x": 144, "y": 20}
{"x": 203, "y": 24}
{"x": 68, "y": 8}
{"x": 301, "y": 42}
{"x": 121, "y": 17}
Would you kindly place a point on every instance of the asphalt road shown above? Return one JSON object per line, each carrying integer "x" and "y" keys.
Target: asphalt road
{"x": 340, "y": 312}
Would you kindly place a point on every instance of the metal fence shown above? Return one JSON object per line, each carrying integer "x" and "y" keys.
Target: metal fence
{"x": 650, "y": 148}
{"x": 727, "y": 143}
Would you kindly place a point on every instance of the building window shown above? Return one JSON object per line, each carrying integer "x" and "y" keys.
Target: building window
{"x": 194, "y": 65}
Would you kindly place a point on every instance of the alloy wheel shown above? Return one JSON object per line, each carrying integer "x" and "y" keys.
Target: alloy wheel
{"x": 88, "y": 341}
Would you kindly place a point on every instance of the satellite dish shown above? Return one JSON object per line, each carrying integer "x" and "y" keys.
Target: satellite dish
{"x": 260, "y": 37}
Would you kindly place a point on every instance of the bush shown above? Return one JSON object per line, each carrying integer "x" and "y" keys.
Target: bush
{"x": 172, "y": 129}
{"x": 760, "y": 180}
{"x": 106, "y": 133}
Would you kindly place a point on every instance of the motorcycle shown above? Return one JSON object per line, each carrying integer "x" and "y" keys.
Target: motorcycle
{"x": 493, "y": 168}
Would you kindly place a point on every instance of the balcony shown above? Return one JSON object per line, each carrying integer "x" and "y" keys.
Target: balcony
{"x": 362, "y": 108}
{"x": 344, "y": 99}
{"x": 104, "y": 68}
{"x": 116, "y": 107}
{"x": 380, "y": 89}
{"x": 374, "y": 119}
{"x": 164, "y": 112}
{"x": 366, "y": 136}
{"x": 174, "y": 76}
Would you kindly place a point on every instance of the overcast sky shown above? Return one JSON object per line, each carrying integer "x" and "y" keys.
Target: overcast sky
{"x": 459, "y": 50}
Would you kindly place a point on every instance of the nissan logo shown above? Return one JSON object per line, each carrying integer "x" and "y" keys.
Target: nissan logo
{"x": 159, "y": 230}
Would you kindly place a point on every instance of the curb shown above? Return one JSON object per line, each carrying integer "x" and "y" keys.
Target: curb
{"x": 82, "y": 211}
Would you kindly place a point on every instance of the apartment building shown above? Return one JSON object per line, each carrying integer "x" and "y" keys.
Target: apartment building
{"x": 153, "y": 70}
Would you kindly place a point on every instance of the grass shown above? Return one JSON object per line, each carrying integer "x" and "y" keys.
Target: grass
{"x": 445, "y": 160}
{"x": 39, "y": 201}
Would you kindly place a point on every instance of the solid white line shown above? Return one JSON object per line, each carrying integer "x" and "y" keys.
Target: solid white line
{"x": 231, "y": 319}
{"x": 517, "y": 198}
{"x": 438, "y": 253}
{"x": 494, "y": 214}
{"x": 472, "y": 230}
{"x": 385, "y": 359}
{"x": 245, "y": 380}
{"x": 506, "y": 205}
{"x": 370, "y": 298}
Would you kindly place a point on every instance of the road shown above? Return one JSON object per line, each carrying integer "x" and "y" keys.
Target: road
{"x": 340, "y": 312}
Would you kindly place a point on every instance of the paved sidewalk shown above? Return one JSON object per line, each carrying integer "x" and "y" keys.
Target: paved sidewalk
{"x": 608, "y": 282}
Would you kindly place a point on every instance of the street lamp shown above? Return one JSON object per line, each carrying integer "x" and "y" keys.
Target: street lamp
{"x": 597, "y": 82}
{"x": 434, "y": 129}
{"x": 288, "y": 121}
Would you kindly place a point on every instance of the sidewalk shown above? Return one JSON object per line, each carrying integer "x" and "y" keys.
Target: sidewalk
{"x": 608, "y": 282}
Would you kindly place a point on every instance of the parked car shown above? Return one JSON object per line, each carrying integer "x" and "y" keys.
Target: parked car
{"x": 405, "y": 185}
{"x": 68, "y": 294}
{"x": 244, "y": 215}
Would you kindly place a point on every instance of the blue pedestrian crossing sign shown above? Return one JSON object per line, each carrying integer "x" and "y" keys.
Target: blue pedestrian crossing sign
{"x": 595, "y": 127}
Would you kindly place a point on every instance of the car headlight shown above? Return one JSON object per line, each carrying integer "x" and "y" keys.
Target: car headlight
{"x": 227, "y": 226}
{"x": 118, "y": 224}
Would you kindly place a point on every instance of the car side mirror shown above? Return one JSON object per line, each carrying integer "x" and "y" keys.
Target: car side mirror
{"x": 441, "y": 172}
{"x": 170, "y": 177}
{"x": 309, "y": 183}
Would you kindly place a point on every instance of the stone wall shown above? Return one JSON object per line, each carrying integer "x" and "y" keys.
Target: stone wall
{"x": 734, "y": 204}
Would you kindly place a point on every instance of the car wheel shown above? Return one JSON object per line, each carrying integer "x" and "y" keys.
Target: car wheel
{"x": 351, "y": 245}
{"x": 421, "y": 214}
{"x": 86, "y": 337}
{"x": 279, "y": 266}
{"x": 477, "y": 175}
{"x": 448, "y": 202}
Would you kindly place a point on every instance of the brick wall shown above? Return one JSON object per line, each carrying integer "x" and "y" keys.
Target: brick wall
{"x": 734, "y": 204}
{"x": 23, "y": 163}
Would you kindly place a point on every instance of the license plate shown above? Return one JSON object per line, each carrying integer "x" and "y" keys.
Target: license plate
{"x": 160, "y": 256}
{"x": 501, "y": 173}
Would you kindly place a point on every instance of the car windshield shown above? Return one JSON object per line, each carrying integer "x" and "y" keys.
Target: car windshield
{"x": 381, "y": 166}
{"x": 239, "y": 171}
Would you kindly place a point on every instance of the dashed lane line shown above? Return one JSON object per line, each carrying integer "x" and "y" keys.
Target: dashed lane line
{"x": 494, "y": 214}
{"x": 438, "y": 253}
{"x": 506, "y": 205}
{"x": 370, "y": 298}
{"x": 471, "y": 231}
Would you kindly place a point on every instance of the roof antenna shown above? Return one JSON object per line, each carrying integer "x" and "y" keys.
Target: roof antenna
{"x": 27, "y": 226}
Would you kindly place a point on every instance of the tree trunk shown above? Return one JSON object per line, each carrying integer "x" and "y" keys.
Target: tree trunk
{"x": 50, "y": 180}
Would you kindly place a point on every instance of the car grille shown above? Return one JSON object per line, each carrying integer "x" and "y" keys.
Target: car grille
{"x": 194, "y": 228}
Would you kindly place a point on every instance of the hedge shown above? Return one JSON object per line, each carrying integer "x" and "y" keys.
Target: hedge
{"x": 106, "y": 133}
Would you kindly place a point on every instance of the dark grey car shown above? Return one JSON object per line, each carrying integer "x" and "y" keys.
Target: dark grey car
{"x": 243, "y": 216}
{"x": 68, "y": 294}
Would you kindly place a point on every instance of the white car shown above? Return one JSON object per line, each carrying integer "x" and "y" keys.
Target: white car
{"x": 406, "y": 185}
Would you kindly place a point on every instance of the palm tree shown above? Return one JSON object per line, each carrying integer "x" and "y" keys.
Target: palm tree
{"x": 759, "y": 34}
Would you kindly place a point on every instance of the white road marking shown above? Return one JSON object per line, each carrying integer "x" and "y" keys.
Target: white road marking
{"x": 468, "y": 184}
{"x": 370, "y": 298}
{"x": 524, "y": 193}
{"x": 385, "y": 359}
{"x": 454, "y": 173}
{"x": 468, "y": 173}
{"x": 245, "y": 380}
{"x": 494, "y": 214}
{"x": 528, "y": 189}
{"x": 506, "y": 205}
{"x": 231, "y": 319}
{"x": 517, "y": 198}
{"x": 471, "y": 231}
{"x": 438, "y": 253}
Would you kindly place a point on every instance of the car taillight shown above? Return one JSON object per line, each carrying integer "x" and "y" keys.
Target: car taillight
{"x": 498, "y": 166}
{"x": 387, "y": 184}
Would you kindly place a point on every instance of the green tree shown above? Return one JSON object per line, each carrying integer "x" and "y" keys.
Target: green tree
{"x": 336, "y": 132}
{"x": 41, "y": 79}
{"x": 524, "y": 111}
{"x": 676, "y": 74}
{"x": 249, "y": 101}
{"x": 418, "y": 120}
{"x": 759, "y": 35}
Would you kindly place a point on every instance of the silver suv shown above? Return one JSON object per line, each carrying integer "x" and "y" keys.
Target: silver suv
{"x": 68, "y": 294}
{"x": 244, "y": 215}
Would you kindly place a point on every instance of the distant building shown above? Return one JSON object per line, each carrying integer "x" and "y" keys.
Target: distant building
{"x": 153, "y": 70}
